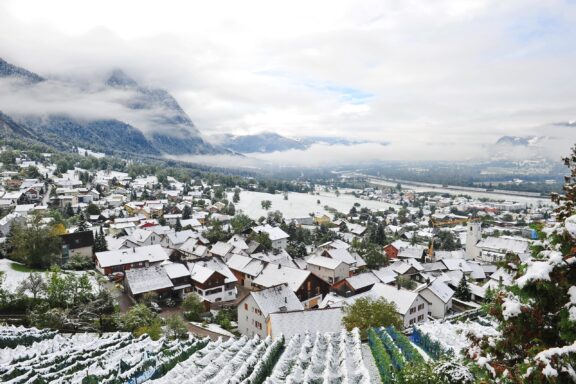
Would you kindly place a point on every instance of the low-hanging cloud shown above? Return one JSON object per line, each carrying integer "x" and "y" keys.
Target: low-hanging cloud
{"x": 438, "y": 80}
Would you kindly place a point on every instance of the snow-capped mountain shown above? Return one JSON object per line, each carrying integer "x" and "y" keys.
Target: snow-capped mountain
{"x": 114, "y": 115}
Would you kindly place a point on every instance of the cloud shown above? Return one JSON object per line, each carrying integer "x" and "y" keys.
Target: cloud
{"x": 432, "y": 78}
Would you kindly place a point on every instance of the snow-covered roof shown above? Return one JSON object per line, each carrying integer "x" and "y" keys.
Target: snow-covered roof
{"x": 362, "y": 280}
{"x": 504, "y": 244}
{"x": 457, "y": 265}
{"x": 238, "y": 242}
{"x": 221, "y": 248}
{"x": 200, "y": 271}
{"x": 440, "y": 289}
{"x": 141, "y": 280}
{"x": 319, "y": 320}
{"x": 275, "y": 274}
{"x": 411, "y": 252}
{"x": 176, "y": 270}
{"x": 279, "y": 298}
{"x": 274, "y": 233}
{"x": 151, "y": 253}
{"x": 180, "y": 237}
{"x": 324, "y": 262}
{"x": 246, "y": 265}
{"x": 341, "y": 255}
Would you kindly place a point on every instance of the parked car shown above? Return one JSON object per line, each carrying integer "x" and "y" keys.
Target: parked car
{"x": 155, "y": 307}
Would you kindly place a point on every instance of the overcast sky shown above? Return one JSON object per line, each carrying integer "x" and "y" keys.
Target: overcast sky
{"x": 441, "y": 73}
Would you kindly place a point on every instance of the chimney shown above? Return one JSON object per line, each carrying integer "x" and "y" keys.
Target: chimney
{"x": 398, "y": 282}
{"x": 285, "y": 299}
{"x": 133, "y": 250}
{"x": 279, "y": 266}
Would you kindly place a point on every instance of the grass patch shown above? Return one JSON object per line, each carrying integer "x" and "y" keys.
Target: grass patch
{"x": 22, "y": 268}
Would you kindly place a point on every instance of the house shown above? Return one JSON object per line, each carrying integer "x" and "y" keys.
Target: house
{"x": 439, "y": 295}
{"x": 495, "y": 248}
{"x": 292, "y": 323}
{"x": 412, "y": 252}
{"x": 149, "y": 279}
{"x": 356, "y": 284}
{"x": 255, "y": 308}
{"x": 77, "y": 244}
{"x": 221, "y": 249}
{"x": 125, "y": 259}
{"x": 278, "y": 237}
{"x": 246, "y": 269}
{"x": 179, "y": 275}
{"x": 353, "y": 260}
{"x": 411, "y": 306}
{"x": 212, "y": 280}
{"x": 308, "y": 287}
{"x": 176, "y": 239}
{"x": 328, "y": 269}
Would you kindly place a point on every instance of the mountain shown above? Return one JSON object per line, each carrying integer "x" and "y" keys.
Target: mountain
{"x": 143, "y": 120}
{"x": 268, "y": 142}
{"x": 525, "y": 141}
{"x": 8, "y": 70}
{"x": 263, "y": 143}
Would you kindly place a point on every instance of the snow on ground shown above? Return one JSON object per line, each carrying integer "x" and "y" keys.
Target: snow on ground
{"x": 214, "y": 328}
{"x": 12, "y": 278}
{"x": 421, "y": 352}
{"x": 301, "y": 205}
{"x": 370, "y": 364}
{"x": 454, "y": 335}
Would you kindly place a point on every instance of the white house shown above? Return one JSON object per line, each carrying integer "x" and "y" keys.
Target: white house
{"x": 439, "y": 295}
{"x": 213, "y": 281}
{"x": 278, "y": 237}
{"x": 328, "y": 269}
{"x": 254, "y": 309}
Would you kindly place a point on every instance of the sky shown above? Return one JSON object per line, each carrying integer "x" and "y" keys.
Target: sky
{"x": 445, "y": 78}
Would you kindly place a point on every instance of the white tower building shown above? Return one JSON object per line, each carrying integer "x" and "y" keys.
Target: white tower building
{"x": 473, "y": 236}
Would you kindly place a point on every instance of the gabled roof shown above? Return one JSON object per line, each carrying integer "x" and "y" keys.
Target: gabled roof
{"x": 151, "y": 253}
{"x": 504, "y": 244}
{"x": 142, "y": 280}
{"x": 221, "y": 249}
{"x": 457, "y": 265}
{"x": 324, "y": 262}
{"x": 275, "y": 233}
{"x": 341, "y": 255}
{"x": 275, "y": 274}
{"x": 201, "y": 270}
{"x": 440, "y": 289}
{"x": 362, "y": 280}
{"x": 279, "y": 298}
{"x": 176, "y": 270}
{"x": 178, "y": 238}
{"x": 246, "y": 265}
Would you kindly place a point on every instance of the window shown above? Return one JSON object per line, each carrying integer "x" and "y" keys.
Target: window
{"x": 412, "y": 310}
{"x": 412, "y": 321}
{"x": 246, "y": 306}
{"x": 421, "y": 317}
{"x": 421, "y": 307}
{"x": 258, "y": 325}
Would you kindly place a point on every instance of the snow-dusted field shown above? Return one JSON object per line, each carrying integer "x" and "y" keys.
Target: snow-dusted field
{"x": 13, "y": 278}
{"x": 455, "y": 335}
{"x": 301, "y": 204}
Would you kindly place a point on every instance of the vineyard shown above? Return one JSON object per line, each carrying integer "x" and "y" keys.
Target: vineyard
{"x": 394, "y": 354}
{"x": 29, "y": 355}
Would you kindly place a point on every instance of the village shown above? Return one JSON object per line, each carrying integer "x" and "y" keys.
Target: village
{"x": 190, "y": 250}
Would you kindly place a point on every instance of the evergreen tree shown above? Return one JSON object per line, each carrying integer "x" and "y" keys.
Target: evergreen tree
{"x": 68, "y": 211}
{"x": 186, "y": 212}
{"x": 236, "y": 197}
{"x": 178, "y": 225}
{"x": 463, "y": 291}
{"x": 82, "y": 225}
{"x": 537, "y": 313}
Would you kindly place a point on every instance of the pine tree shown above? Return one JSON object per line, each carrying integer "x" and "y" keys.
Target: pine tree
{"x": 178, "y": 226}
{"x": 186, "y": 212}
{"x": 463, "y": 291}
{"x": 537, "y": 313}
{"x": 68, "y": 211}
{"x": 82, "y": 225}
